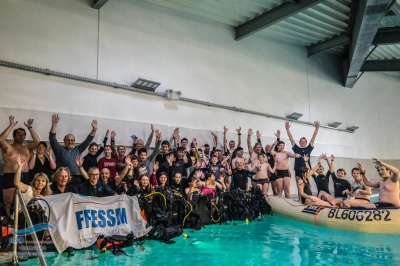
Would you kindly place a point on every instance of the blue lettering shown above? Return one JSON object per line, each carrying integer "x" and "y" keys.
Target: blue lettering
{"x": 111, "y": 219}
{"x": 79, "y": 219}
{"x": 93, "y": 214}
{"x": 102, "y": 222}
{"x": 121, "y": 216}
{"x": 101, "y": 218}
{"x": 86, "y": 213}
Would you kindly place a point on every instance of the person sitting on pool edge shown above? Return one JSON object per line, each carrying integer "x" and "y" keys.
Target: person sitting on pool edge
{"x": 388, "y": 185}
{"x": 304, "y": 184}
{"x": 342, "y": 186}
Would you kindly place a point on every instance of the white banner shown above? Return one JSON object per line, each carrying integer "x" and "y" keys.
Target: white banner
{"x": 78, "y": 220}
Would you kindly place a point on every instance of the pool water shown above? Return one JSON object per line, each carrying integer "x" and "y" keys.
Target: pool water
{"x": 271, "y": 241}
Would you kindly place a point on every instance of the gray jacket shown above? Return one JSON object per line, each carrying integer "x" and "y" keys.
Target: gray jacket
{"x": 65, "y": 157}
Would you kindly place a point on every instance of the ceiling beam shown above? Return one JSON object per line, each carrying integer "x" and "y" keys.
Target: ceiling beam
{"x": 273, "y": 16}
{"x": 390, "y": 13}
{"x": 368, "y": 17}
{"x": 387, "y": 36}
{"x": 396, "y": 9}
{"x": 99, "y": 3}
{"x": 381, "y": 66}
{"x": 328, "y": 44}
{"x": 384, "y": 36}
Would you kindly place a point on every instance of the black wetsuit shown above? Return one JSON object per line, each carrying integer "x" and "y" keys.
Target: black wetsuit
{"x": 322, "y": 182}
{"x": 239, "y": 179}
{"x": 340, "y": 185}
{"x": 307, "y": 190}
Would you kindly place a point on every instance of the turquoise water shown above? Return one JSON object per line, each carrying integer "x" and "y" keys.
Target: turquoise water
{"x": 272, "y": 241}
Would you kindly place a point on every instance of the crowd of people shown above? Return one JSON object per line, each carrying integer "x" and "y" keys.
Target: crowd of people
{"x": 187, "y": 167}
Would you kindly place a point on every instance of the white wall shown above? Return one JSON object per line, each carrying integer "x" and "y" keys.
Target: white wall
{"x": 199, "y": 58}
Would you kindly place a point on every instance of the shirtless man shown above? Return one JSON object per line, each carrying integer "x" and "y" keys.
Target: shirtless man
{"x": 10, "y": 153}
{"x": 253, "y": 151}
{"x": 282, "y": 169}
{"x": 388, "y": 185}
{"x": 263, "y": 173}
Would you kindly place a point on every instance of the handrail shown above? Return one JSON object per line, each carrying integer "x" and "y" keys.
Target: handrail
{"x": 18, "y": 199}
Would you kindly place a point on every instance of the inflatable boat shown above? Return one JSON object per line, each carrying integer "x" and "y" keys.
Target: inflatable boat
{"x": 381, "y": 221}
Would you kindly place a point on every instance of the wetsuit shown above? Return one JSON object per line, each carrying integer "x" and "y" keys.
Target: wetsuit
{"x": 239, "y": 179}
{"x": 340, "y": 185}
{"x": 299, "y": 162}
{"x": 307, "y": 190}
{"x": 322, "y": 182}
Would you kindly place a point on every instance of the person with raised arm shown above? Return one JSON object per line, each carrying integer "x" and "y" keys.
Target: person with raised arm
{"x": 304, "y": 184}
{"x": 95, "y": 186}
{"x": 175, "y": 138}
{"x": 232, "y": 148}
{"x": 239, "y": 157}
{"x": 126, "y": 174}
{"x": 161, "y": 157}
{"x": 263, "y": 173}
{"x": 65, "y": 155}
{"x": 144, "y": 161}
{"x": 256, "y": 150}
{"x": 10, "y": 152}
{"x": 282, "y": 169}
{"x": 239, "y": 178}
{"x": 253, "y": 151}
{"x": 139, "y": 143}
{"x": 214, "y": 166}
{"x": 210, "y": 186}
{"x": 41, "y": 161}
{"x": 321, "y": 179}
{"x": 117, "y": 152}
{"x": 388, "y": 186}
{"x": 90, "y": 159}
{"x": 303, "y": 149}
{"x": 271, "y": 159}
{"x": 341, "y": 185}
{"x": 141, "y": 186}
{"x": 40, "y": 183}
{"x": 360, "y": 193}
{"x": 177, "y": 164}
{"x": 215, "y": 144}
{"x": 108, "y": 162}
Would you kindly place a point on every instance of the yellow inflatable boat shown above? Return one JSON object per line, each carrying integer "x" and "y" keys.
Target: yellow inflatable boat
{"x": 381, "y": 221}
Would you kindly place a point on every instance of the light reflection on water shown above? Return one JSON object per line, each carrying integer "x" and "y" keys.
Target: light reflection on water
{"x": 272, "y": 241}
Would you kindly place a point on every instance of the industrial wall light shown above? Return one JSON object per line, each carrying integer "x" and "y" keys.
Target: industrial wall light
{"x": 146, "y": 84}
{"x": 353, "y": 128}
{"x": 334, "y": 124}
{"x": 294, "y": 116}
